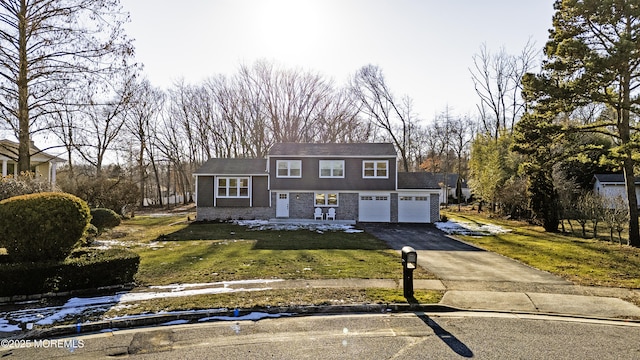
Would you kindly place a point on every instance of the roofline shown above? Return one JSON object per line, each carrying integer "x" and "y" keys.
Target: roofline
{"x": 231, "y": 174}
{"x": 335, "y": 156}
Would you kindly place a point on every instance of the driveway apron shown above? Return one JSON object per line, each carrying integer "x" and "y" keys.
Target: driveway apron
{"x": 453, "y": 260}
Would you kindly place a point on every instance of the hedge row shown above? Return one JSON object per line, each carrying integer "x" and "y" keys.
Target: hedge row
{"x": 83, "y": 269}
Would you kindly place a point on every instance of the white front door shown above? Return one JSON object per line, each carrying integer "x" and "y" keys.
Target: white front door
{"x": 282, "y": 205}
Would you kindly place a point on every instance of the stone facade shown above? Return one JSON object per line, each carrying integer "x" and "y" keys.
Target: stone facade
{"x": 394, "y": 208}
{"x": 301, "y": 206}
{"x": 435, "y": 210}
{"x": 235, "y": 213}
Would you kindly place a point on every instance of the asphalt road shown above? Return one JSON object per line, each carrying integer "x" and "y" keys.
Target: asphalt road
{"x": 373, "y": 336}
{"x": 454, "y": 260}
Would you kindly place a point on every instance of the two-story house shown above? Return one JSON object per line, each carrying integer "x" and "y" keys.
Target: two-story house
{"x": 359, "y": 181}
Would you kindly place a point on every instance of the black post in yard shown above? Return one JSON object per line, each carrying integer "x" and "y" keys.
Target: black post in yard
{"x": 409, "y": 263}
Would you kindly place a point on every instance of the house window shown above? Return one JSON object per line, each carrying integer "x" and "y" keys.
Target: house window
{"x": 406, "y": 198}
{"x": 289, "y": 168}
{"x": 421, "y": 198}
{"x": 326, "y": 199}
{"x": 375, "y": 169}
{"x": 332, "y": 168}
{"x": 231, "y": 187}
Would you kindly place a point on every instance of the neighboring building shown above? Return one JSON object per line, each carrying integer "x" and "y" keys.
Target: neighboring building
{"x": 360, "y": 182}
{"x": 612, "y": 185}
{"x": 42, "y": 164}
{"x": 448, "y": 187}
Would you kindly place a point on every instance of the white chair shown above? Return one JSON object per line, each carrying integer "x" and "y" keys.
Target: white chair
{"x": 317, "y": 214}
{"x": 331, "y": 215}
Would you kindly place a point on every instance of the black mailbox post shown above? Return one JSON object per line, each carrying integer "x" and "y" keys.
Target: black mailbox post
{"x": 409, "y": 263}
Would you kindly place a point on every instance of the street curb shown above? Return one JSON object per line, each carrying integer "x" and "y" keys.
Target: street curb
{"x": 194, "y": 317}
{"x": 197, "y": 315}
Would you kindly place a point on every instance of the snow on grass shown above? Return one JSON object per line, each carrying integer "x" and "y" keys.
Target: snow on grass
{"x": 254, "y": 316}
{"x": 470, "y": 228}
{"x": 6, "y": 327}
{"x": 78, "y": 307}
{"x": 259, "y": 225}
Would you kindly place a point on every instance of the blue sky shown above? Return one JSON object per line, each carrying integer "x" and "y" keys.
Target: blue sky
{"x": 424, "y": 47}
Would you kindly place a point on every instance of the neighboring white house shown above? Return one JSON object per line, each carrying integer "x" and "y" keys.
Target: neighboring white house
{"x": 612, "y": 185}
{"x": 448, "y": 188}
{"x": 42, "y": 164}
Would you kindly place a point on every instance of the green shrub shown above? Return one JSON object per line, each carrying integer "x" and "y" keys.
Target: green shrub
{"x": 42, "y": 226}
{"x": 103, "y": 218}
{"x": 83, "y": 269}
{"x": 93, "y": 268}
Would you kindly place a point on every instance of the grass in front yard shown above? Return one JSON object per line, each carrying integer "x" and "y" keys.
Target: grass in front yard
{"x": 583, "y": 261}
{"x": 211, "y": 252}
{"x": 279, "y": 297}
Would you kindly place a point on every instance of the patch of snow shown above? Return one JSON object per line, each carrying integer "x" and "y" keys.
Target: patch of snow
{"x": 259, "y": 225}
{"x": 108, "y": 244}
{"x": 456, "y": 227}
{"x": 254, "y": 316}
{"x": 175, "y": 322}
{"x": 6, "y": 327}
{"x": 182, "y": 287}
{"x": 76, "y": 307}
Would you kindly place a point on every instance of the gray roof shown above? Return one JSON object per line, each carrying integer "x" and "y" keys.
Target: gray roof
{"x": 341, "y": 149}
{"x": 613, "y": 178}
{"x": 426, "y": 180}
{"x": 417, "y": 180}
{"x": 233, "y": 167}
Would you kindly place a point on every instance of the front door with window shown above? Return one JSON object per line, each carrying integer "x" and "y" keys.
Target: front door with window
{"x": 282, "y": 205}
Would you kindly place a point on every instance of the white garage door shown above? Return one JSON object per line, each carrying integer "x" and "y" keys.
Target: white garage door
{"x": 374, "y": 208}
{"x": 413, "y": 208}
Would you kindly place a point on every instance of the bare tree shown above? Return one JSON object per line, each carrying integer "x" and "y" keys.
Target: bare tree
{"x": 498, "y": 82}
{"x": 48, "y": 48}
{"x": 394, "y": 117}
{"x": 141, "y": 122}
{"x": 104, "y": 117}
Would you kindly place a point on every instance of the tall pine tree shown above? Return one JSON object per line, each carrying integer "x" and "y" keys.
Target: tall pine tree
{"x": 593, "y": 56}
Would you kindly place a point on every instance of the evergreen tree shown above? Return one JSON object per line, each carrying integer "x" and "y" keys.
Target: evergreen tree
{"x": 593, "y": 56}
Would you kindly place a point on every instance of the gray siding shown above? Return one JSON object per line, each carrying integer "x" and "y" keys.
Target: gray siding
{"x": 260, "y": 191}
{"x": 311, "y": 180}
{"x": 205, "y": 191}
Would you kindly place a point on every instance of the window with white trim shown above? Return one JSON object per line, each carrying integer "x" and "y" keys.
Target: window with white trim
{"x": 375, "y": 169}
{"x": 233, "y": 187}
{"x": 288, "y": 168}
{"x": 331, "y": 168}
{"x": 326, "y": 199}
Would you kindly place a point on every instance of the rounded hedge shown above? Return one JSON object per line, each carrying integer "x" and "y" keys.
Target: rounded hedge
{"x": 42, "y": 226}
{"x": 103, "y": 218}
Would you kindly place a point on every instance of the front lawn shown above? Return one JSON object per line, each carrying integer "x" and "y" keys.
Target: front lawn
{"x": 183, "y": 252}
{"x": 582, "y": 261}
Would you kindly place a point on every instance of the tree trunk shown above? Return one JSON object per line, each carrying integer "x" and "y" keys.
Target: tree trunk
{"x": 24, "y": 140}
{"x": 629, "y": 178}
{"x": 628, "y": 163}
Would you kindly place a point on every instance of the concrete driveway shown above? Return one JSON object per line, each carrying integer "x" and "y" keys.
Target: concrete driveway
{"x": 453, "y": 260}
